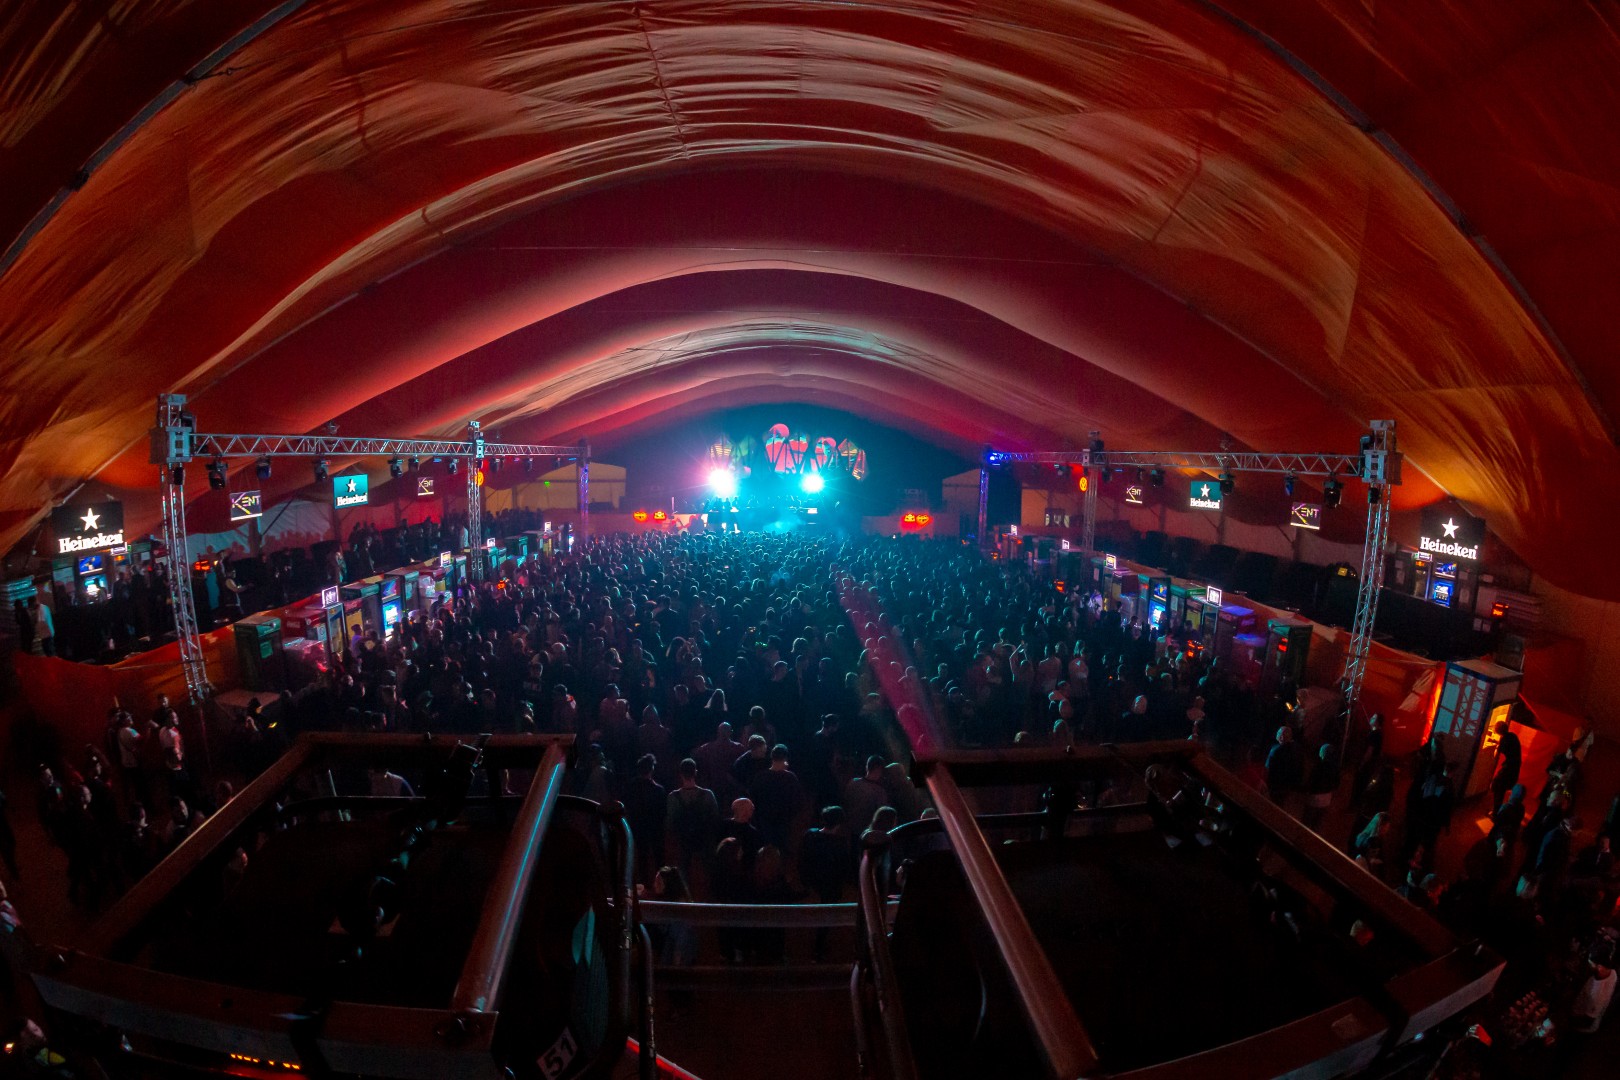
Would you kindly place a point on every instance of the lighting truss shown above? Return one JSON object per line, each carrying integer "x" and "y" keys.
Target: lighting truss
{"x": 175, "y": 441}
{"x": 1377, "y": 463}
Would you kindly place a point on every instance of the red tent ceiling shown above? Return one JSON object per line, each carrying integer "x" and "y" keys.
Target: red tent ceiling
{"x": 1007, "y": 222}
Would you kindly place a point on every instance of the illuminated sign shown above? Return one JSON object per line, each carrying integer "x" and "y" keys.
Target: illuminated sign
{"x": 1440, "y": 592}
{"x": 424, "y": 486}
{"x": 478, "y": 477}
{"x": 1012, "y": 530}
{"x": 329, "y": 596}
{"x": 1206, "y": 495}
{"x": 245, "y": 505}
{"x": 1212, "y": 595}
{"x": 97, "y": 527}
{"x": 1065, "y": 545}
{"x": 1303, "y": 515}
{"x": 1446, "y": 532}
{"x": 1160, "y": 591}
{"x": 351, "y": 490}
{"x": 1085, "y": 483}
{"x": 444, "y": 560}
{"x": 1133, "y": 494}
{"x": 548, "y": 526}
{"x": 1110, "y": 562}
{"x": 640, "y": 515}
{"x": 659, "y": 515}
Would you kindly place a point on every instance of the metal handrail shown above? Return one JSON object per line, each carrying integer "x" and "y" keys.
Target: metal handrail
{"x": 891, "y": 1010}
{"x": 753, "y": 916}
{"x": 491, "y": 948}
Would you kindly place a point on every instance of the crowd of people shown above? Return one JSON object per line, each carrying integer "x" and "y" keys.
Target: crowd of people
{"x": 750, "y": 712}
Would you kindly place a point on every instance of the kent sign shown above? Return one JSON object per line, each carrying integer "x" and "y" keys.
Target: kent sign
{"x": 97, "y": 527}
{"x": 245, "y": 505}
{"x": 350, "y": 490}
{"x": 1446, "y": 532}
{"x": 1206, "y": 495}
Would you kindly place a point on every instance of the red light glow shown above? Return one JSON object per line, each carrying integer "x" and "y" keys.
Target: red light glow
{"x": 640, "y": 515}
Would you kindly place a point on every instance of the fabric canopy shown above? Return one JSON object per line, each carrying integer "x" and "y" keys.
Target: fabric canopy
{"x": 1176, "y": 221}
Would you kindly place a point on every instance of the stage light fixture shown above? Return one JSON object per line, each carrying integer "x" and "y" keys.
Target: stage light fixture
{"x": 415, "y": 463}
{"x": 723, "y": 482}
{"x": 495, "y": 464}
{"x": 321, "y": 472}
{"x": 216, "y": 474}
{"x": 262, "y": 468}
{"x": 1288, "y": 484}
{"x": 1226, "y": 482}
{"x": 177, "y": 475}
{"x": 528, "y": 464}
{"x": 452, "y": 465}
{"x": 396, "y": 468}
{"x": 1374, "y": 493}
{"x": 1332, "y": 492}
{"x": 1156, "y": 478}
{"x": 812, "y": 483}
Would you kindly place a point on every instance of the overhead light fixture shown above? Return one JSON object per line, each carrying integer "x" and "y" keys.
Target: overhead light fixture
{"x": 528, "y": 464}
{"x": 1226, "y": 482}
{"x": 396, "y": 467}
{"x": 1156, "y": 478}
{"x": 216, "y": 473}
{"x": 495, "y": 464}
{"x": 452, "y": 465}
{"x": 177, "y": 475}
{"x": 1374, "y": 494}
{"x": 262, "y": 468}
{"x": 1332, "y": 492}
{"x": 415, "y": 463}
{"x": 321, "y": 472}
{"x": 1288, "y": 484}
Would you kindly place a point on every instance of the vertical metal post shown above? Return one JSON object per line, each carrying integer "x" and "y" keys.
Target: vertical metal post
{"x": 475, "y": 518}
{"x": 171, "y": 450}
{"x": 1088, "y": 513}
{"x": 984, "y": 499}
{"x": 1381, "y": 470}
{"x": 584, "y": 491}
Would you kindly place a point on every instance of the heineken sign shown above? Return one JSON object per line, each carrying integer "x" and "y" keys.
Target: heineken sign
{"x": 1206, "y": 495}
{"x": 1452, "y": 534}
{"x": 350, "y": 490}
{"x": 97, "y": 527}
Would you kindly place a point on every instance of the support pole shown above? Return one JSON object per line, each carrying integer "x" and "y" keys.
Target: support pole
{"x": 1088, "y": 505}
{"x": 475, "y": 517}
{"x": 584, "y": 491}
{"x": 171, "y": 451}
{"x": 1380, "y": 468}
{"x": 984, "y": 499}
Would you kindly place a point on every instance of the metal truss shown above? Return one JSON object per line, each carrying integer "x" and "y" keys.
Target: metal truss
{"x": 1297, "y": 464}
{"x": 1372, "y": 579}
{"x": 176, "y": 442}
{"x": 1377, "y": 463}
{"x": 316, "y": 446}
{"x": 177, "y": 567}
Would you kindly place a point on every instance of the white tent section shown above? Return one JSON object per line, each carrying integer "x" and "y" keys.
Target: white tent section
{"x": 559, "y": 489}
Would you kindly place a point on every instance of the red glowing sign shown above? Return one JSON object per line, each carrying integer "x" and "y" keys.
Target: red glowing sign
{"x": 640, "y": 515}
{"x": 1085, "y": 482}
{"x": 924, "y": 519}
{"x": 909, "y": 519}
{"x": 912, "y": 520}
{"x": 659, "y": 515}
{"x": 478, "y": 477}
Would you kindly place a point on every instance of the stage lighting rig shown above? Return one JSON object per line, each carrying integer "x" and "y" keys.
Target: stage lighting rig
{"x": 416, "y": 463}
{"x": 262, "y": 468}
{"x": 216, "y": 474}
{"x": 1288, "y": 485}
{"x": 396, "y": 468}
{"x": 1227, "y": 483}
{"x": 321, "y": 472}
{"x": 452, "y": 465}
{"x": 1332, "y": 492}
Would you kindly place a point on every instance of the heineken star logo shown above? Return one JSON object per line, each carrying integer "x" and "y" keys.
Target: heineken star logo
{"x": 1451, "y": 527}
{"x": 351, "y": 488}
{"x": 1203, "y": 491}
{"x": 91, "y": 519}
